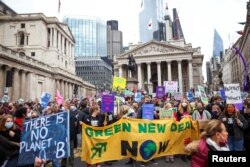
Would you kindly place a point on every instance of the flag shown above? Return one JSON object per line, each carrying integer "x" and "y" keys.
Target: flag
{"x": 59, "y": 5}
{"x": 240, "y": 32}
{"x": 150, "y": 24}
{"x": 59, "y": 98}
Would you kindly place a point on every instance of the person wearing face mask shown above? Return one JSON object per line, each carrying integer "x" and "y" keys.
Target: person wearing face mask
{"x": 200, "y": 113}
{"x": 214, "y": 138}
{"x": 184, "y": 109}
{"x": 235, "y": 124}
{"x": 216, "y": 111}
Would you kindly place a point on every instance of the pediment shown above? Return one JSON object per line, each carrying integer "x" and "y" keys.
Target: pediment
{"x": 154, "y": 48}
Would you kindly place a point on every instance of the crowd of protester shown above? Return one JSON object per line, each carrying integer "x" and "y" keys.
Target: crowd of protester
{"x": 231, "y": 124}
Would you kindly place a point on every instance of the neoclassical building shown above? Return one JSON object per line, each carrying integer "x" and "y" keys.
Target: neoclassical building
{"x": 161, "y": 61}
{"x": 37, "y": 55}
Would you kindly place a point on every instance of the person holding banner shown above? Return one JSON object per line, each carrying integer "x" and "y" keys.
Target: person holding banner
{"x": 235, "y": 124}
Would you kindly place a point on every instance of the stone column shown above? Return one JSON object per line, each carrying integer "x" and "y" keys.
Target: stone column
{"x": 60, "y": 42}
{"x": 120, "y": 70}
{"x": 61, "y": 87}
{"x": 54, "y": 41}
{"x": 169, "y": 71}
{"x": 73, "y": 52}
{"x": 66, "y": 90}
{"x": 159, "y": 73}
{"x": 139, "y": 74}
{"x": 50, "y": 38}
{"x": 190, "y": 74}
{"x": 28, "y": 83}
{"x": 63, "y": 46}
{"x": 2, "y": 80}
{"x": 16, "y": 85}
{"x": 180, "y": 76}
{"x": 23, "y": 85}
{"x": 150, "y": 88}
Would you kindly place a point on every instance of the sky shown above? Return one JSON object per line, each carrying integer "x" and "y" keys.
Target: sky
{"x": 198, "y": 18}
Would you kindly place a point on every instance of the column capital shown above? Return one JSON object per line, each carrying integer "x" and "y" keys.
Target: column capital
{"x": 168, "y": 61}
{"x": 179, "y": 61}
{"x": 148, "y": 63}
{"x": 158, "y": 62}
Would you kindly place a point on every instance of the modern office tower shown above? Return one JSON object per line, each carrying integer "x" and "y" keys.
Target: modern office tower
{"x": 218, "y": 45}
{"x": 114, "y": 39}
{"x": 151, "y": 21}
{"x": 89, "y": 34}
{"x": 177, "y": 30}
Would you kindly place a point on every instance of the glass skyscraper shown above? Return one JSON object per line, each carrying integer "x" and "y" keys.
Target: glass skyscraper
{"x": 218, "y": 44}
{"x": 90, "y": 35}
{"x": 151, "y": 20}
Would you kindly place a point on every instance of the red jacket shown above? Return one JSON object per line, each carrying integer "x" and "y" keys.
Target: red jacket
{"x": 200, "y": 158}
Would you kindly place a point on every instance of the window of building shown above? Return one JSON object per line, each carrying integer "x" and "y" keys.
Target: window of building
{"x": 22, "y": 25}
{"x": 21, "y": 37}
{"x": 33, "y": 53}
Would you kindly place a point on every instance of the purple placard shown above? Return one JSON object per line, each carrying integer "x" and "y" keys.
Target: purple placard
{"x": 148, "y": 111}
{"x": 107, "y": 103}
{"x": 160, "y": 91}
{"x": 239, "y": 106}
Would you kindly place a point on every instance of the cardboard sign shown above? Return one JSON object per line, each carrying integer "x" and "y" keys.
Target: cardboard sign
{"x": 160, "y": 91}
{"x": 119, "y": 82}
{"x": 202, "y": 94}
{"x": 5, "y": 98}
{"x": 178, "y": 96}
{"x": 45, "y": 137}
{"x": 107, "y": 103}
{"x": 171, "y": 86}
{"x": 164, "y": 113}
{"x": 233, "y": 95}
{"x": 148, "y": 111}
{"x": 138, "y": 96}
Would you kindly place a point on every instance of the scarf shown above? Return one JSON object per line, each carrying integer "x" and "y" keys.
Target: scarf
{"x": 215, "y": 147}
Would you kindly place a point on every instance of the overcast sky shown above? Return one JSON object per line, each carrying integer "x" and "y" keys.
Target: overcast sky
{"x": 198, "y": 18}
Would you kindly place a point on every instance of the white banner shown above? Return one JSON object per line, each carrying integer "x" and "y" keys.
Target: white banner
{"x": 233, "y": 94}
{"x": 171, "y": 86}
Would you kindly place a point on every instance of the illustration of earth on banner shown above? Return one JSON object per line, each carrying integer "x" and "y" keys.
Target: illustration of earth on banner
{"x": 139, "y": 139}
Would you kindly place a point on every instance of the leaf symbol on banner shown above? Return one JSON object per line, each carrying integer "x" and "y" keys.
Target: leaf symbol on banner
{"x": 187, "y": 141}
{"x": 98, "y": 149}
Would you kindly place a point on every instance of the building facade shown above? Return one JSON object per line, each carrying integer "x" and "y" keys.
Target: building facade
{"x": 90, "y": 35}
{"x": 114, "y": 39}
{"x": 151, "y": 21}
{"x": 160, "y": 61}
{"x": 37, "y": 55}
{"x": 95, "y": 70}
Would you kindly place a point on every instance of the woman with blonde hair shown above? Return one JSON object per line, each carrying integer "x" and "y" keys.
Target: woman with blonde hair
{"x": 214, "y": 138}
{"x": 184, "y": 109}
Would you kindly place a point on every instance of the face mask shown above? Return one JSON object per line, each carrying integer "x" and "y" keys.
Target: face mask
{"x": 29, "y": 115}
{"x": 8, "y": 125}
{"x": 72, "y": 108}
{"x": 184, "y": 104}
{"x": 231, "y": 110}
{"x": 214, "y": 113}
{"x": 223, "y": 142}
{"x": 63, "y": 108}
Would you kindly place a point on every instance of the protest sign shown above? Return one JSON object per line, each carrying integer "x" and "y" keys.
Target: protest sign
{"x": 160, "y": 91}
{"x": 202, "y": 94}
{"x": 178, "y": 96}
{"x": 171, "y": 86}
{"x": 45, "y": 98}
{"x": 190, "y": 95}
{"x": 139, "y": 139}
{"x": 119, "y": 83}
{"x": 233, "y": 95}
{"x": 5, "y": 98}
{"x": 148, "y": 111}
{"x": 138, "y": 96}
{"x": 166, "y": 113}
{"x": 107, "y": 103}
{"x": 45, "y": 137}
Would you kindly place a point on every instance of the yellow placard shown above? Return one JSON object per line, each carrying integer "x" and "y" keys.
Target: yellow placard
{"x": 139, "y": 139}
{"x": 119, "y": 82}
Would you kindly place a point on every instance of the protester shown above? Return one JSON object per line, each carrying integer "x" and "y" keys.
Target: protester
{"x": 235, "y": 124}
{"x": 247, "y": 131}
{"x": 20, "y": 117}
{"x": 213, "y": 139}
{"x": 184, "y": 109}
{"x": 216, "y": 111}
{"x": 200, "y": 113}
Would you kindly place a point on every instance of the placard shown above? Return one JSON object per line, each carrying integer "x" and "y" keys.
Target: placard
{"x": 148, "y": 111}
{"x": 233, "y": 95}
{"x": 160, "y": 91}
{"x": 45, "y": 137}
{"x": 171, "y": 86}
{"x": 166, "y": 113}
{"x": 119, "y": 82}
{"x": 45, "y": 98}
{"x": 138, "y": 96}
{"x": 202, "y": 94}
{"x": 107, "y": 103}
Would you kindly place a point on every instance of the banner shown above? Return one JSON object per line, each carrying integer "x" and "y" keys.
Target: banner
{"x": 107, "y": 103}
{"x": 160, "y": 91}
{"x": 171, "y": 86}
{"x": 45, "y": 98}
{"x": 45, "y": 137}
{"x": 139, "y": 139}
{"x": 148, "y": 111}
{"x": 233, "y": 95}
{"x": 119, "y": 83}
